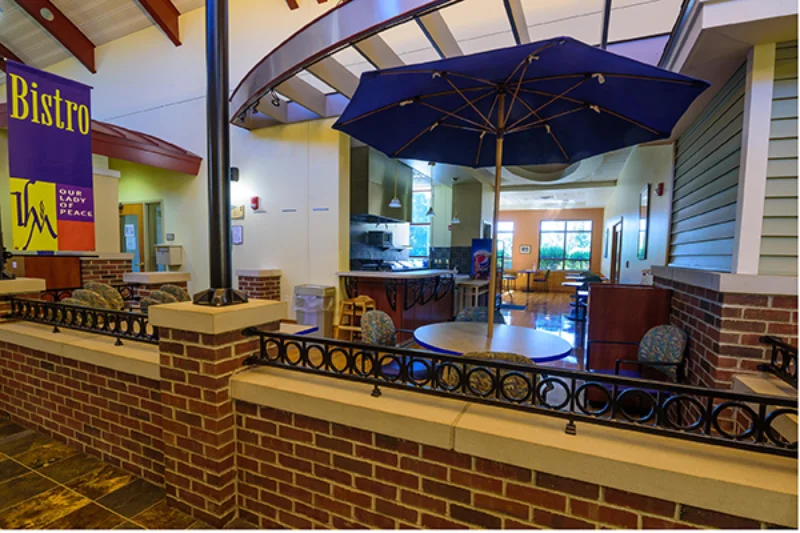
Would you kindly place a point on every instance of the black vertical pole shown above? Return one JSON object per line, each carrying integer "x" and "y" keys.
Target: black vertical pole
{"x": 218, "y": 160}
{"x": 606, "y": 23}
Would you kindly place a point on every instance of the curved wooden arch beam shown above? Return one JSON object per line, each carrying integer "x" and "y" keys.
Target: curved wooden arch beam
{"x": 165, "y": 14}
{"x": 441, "y": 38}
{"x": 62, "y": 30}
{"x": 516, "y": 17}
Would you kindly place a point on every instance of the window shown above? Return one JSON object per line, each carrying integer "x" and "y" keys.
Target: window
{"x": 565, "y": 244}
{"x": 505, "y": 239}
{"x": 420, "y": 223}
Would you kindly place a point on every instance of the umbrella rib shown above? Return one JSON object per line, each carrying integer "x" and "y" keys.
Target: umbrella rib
{"x": 553, "y": 99}
{"x": 424, "y": 131}
{"x": 444, "y": 74}
{"x": 471, "y": 104}
{"x": 516, "y": 92}
{"x": 480, "y": 147}
{"x": 466, "y": 128}
{"x": 544, "y": 120}
{"x": 601, "y": 108}
{"x": 528, "y": 60}
{"x": 611, "y": 75}
{"x": 551, "y": 132}
{"x": 451, "y": 114}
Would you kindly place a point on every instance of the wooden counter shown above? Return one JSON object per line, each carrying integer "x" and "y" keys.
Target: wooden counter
{"x": 412, "y": 299}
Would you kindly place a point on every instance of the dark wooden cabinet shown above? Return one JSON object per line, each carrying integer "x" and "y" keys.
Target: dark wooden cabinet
{"x": 59, "y": 272}
{"x": 622, "y": 313}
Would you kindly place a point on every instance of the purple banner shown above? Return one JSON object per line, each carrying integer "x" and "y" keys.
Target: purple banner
{"x": 75, "y": 203}
{"x": 49, "y": 127}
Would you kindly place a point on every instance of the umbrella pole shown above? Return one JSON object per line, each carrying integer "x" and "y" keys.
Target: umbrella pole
{"x": 496, "y": 215}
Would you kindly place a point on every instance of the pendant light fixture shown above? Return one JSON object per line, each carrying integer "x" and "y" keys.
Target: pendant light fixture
{"x": 455, "y": 219}
{"x": 395, "y": 200}
{"x": 430, "y": 212}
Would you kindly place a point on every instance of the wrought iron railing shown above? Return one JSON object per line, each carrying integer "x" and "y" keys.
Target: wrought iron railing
{"x": 119, "y": 324}
{"x": 634, "y": 404}
{"x": 783, "y": 362}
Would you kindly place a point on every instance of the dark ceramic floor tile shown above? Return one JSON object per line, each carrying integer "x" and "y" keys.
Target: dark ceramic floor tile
{"x": 22, "y": 488}
{"x": 101, "y": 481}
{"x": 7, "y": 427}
{"x": 72, "y": 467}
{"x": 133, "y": 498}
{"x": 91, "y": 516}
{"x": 22, "y": 442}
{"x": 10, "y": 469}
{"x": 127, "y": 524}
{"x": 45, "y": 455}
{"x": 47, "y": 507}
{"x": 240, "y": 524}
{"x": 162, "y": 516}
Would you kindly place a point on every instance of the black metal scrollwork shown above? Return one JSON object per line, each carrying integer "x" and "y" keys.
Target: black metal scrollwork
{"x": 413, "y": 293}
{"x": 666, "y": 409}
{"x": 350, "y": 286}
{"x": 118, "y": 324}
{"x": 391, "y": 293}
{"x": 429, "y": 288}
{"x": 446, "y": 284}
{"x": 783, "y": 362}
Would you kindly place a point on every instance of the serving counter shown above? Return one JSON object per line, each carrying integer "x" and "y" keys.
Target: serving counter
{"x": 412, "y": 299}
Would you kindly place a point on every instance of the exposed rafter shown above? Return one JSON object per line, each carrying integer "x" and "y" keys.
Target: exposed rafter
{"x": 292, "y": 4}
{"x": 165, "y": 14}
{"x": 441, "y": 38}
{"x": 516, "y": 17}
{"x": 304, "y": 94}
{"x": 378, "y": 53}
{"x": 336, "y": 75}
{"x": 5, "y": 53}
{"x": 61, "y": 29}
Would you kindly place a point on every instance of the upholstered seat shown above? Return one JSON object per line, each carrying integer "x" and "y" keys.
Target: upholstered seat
{"x": 378, "y": 329}
{"x": 180, "y": 293}
{"x": 662, "y": 349}
{"x": 163, "y": 297}
{"x": 479, "y": 314}
{"x": 480, "y": 382}
{"x": 109, "y": 293}
{"x": 90, "y": 299}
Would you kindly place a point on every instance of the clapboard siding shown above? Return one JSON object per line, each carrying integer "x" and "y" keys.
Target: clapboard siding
{"x": 779, "y": 230}
{"x": 707, "y": 160}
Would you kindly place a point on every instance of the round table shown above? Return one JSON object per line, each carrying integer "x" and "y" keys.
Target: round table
{"x": 456, "y": 338}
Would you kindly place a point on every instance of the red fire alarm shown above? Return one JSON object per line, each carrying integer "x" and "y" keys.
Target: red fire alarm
{"x": 660, "y": 189}
{"x": 254, "y": 203}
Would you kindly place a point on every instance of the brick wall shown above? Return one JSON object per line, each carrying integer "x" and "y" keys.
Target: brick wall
{"x": 301, "y": 472}
{"x": 112, "y": 415}
{"x": 262, "y": 288}
{"x": 724, "y": 330}
{"x": 106, "y": 270}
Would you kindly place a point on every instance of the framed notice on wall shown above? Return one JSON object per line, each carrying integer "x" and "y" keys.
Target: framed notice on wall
{"x": 237, "y": 234}
{"x": 525, "y": 249}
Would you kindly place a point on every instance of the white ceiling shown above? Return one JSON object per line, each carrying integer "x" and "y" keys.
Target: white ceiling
{"x": 555, "y": 199}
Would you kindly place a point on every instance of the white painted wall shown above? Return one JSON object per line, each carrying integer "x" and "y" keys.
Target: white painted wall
{"x": 647, "y": 164}
{"x": 147, "y": 84}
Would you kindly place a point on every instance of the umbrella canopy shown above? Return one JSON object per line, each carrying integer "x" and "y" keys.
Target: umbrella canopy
{"x": 554, "y": 101}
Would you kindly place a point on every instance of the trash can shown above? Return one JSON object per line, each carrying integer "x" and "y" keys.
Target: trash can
{"x": 313, "y": 305}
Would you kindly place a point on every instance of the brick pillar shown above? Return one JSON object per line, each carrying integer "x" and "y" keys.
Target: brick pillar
{"x": 201, "y": 348}
{"x": 105, "y": 269}
{"x": 261, "y": 284}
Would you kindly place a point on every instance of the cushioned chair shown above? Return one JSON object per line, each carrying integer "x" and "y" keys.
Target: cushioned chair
{"x": 378, "y": 329}
{"x": 145, "y": 303}
{"x": 178, "y": 292}
{"x": 73, "y": 301}
{"x": 481, "y": 383}
{"x": 663, "y": 349}
{"x": 541, "y": 278}
{"x": 479, "y": 314}
{"x": 163, "y": 297}
{"x": 109, "y": 293}
{"x": 90, "y": 299}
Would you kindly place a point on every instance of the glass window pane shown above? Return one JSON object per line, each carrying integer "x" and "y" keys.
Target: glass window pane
{"x": 505, "y": 226}
{"x": 420, "y": 202}
{"x": 506, "y": 240}
{"x": 579, "y": 225}
{"x": 552, "y": 246}
{"x": 550, "y": 264}
{"x": 553, "y": 225}
{"x": 579, "y": 246}
{"x": 420, "y": 240}
{"x": 580, "y": 266}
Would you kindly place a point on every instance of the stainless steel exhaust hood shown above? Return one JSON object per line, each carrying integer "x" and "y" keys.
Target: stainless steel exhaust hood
{"x": 372, "y": 187}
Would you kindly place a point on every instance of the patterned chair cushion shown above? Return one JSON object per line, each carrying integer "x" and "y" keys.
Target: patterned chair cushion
{"x": 663, "y": 343}
{"x": 145, "y": 303}
{"x": 162, "y": 297}
{"x": 481, "y": 382}
{"x": 178, "y": 292}
{"x": 479, "y": 314}
{"x": 90, "y": 299}
{"x": 377, "y": 328}
{"x": 109, "y": 293}
{"x": 73, "y": 301}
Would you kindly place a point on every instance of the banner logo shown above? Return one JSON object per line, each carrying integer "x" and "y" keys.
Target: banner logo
{"x": 50, "y": 161}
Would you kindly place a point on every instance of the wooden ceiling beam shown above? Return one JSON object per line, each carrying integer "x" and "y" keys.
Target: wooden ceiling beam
{"x": 516, "y": 17}
{"x": 292, "y": 4}
{"x": 6, "y": 53}
{"x": 165, "y": 14}
{"x": 54, "y": 22}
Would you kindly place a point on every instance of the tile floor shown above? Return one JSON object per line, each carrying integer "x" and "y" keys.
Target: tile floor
{"x": 47, "y": 485}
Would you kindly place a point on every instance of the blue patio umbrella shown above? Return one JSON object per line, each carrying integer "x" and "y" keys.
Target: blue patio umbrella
{"x": 553, "y": 101}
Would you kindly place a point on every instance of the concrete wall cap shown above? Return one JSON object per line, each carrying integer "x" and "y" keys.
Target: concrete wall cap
{"x": 21, "y": 286}
{"x": 187, "y": 316}
{"x": 257, "y": 273}
{"x": 151, "y": 278}
{"x": 729, "y": 283}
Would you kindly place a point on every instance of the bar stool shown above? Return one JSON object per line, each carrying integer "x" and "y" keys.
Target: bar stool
{"x": 350, "y": 313}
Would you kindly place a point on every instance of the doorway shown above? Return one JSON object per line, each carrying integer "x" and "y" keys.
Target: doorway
{"x": 616, "y": 251}
{"x": 141, "y": 228}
